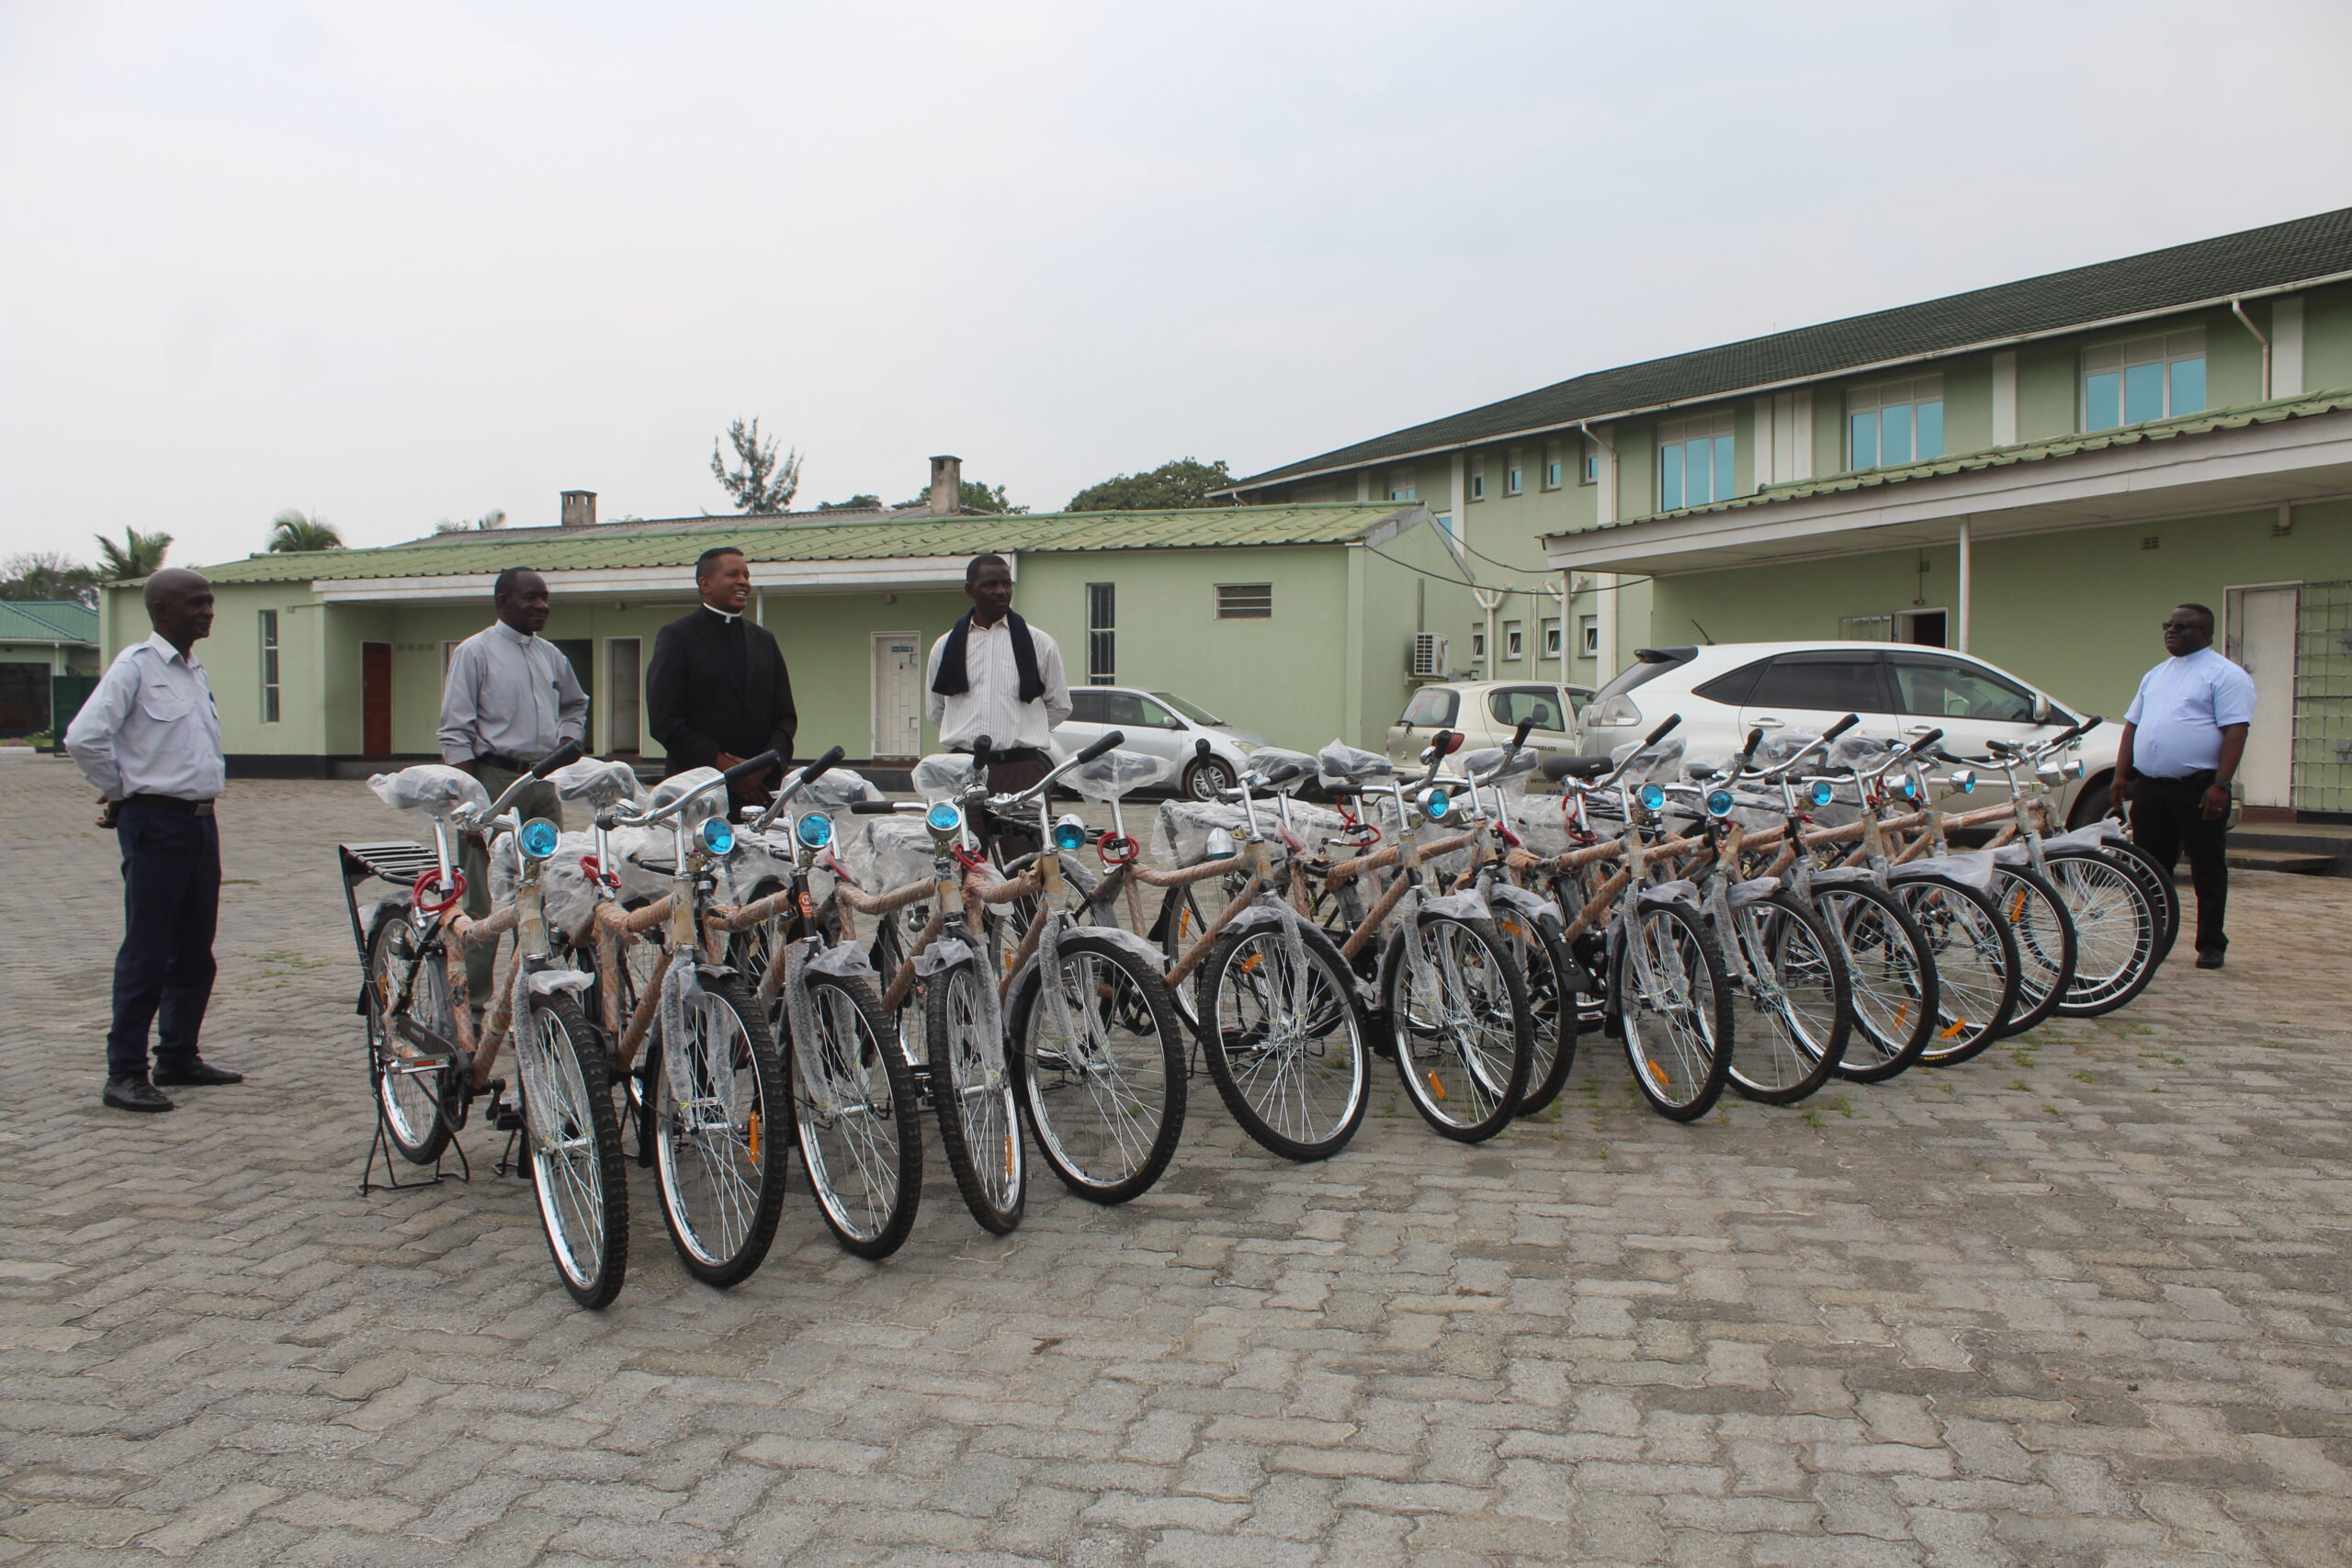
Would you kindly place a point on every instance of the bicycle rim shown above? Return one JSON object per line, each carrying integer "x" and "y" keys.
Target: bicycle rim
{"x": 1283, "y": 1043}
{"x": 2044, "y": 935}
{"x": 1890, "y": 978}
{"x": 1975, "y": 962}
{"x": 1107, "y": 1101}
{"x": 859, "y": 1139}
{"x": 575, "y": 1152}
{"x": 413, "y": 1104}
{"x": 972, "y": 1090}
{"x": 1551, "y": 1011}
{"x": 1675, "y": 1015}
{"x": 1460, "y": 1020}
{"x": 717, "y": 1164}
{"x": 1793, "y": 1018}
{"x": 2117, "y": 927}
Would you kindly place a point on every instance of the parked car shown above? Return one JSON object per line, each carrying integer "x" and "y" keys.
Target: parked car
{"x": 1159, "y": 724}
{"x": 1901, "y": 691}
{"x": 1487, "y": 714}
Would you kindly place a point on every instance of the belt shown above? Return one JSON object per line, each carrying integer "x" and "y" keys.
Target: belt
{"x": 500, "y": 760}
{"x": 171, "y": 803}
{"x": 2201, "y": 776}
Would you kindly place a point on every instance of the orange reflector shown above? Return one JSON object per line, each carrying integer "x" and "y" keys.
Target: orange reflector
{"x": 1009, "y": 1140}
{"x": 1657, "y": 1073}
{"x": 1249, "y": 965}
{"x": 1960, "y": 1026}
{"x": 755, "y": 1137}
{"x": 1436, "y": 1090}
{"x": 1902, "y": 1015}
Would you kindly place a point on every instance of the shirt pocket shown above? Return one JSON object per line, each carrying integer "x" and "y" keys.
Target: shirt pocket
{"x": 164, "y": 705}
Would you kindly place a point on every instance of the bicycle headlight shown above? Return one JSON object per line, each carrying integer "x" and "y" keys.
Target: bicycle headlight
{"x": 1070, "y": 833}
{"x": 1220, "y": 845}
{"x": 1719, "y": 803}
{"x": 1652, "y": 798}
{"x": 718, "y": 835}
{"x": 1964, "y": 780}
{"x": 1822, "y": 793}
{"x": 537, "y": 838}
{"x": 814, "y": 829}
{"x": 943, "y": 817}
{"x": 1436, "y": 803}
{"x": 1909, "y": 786}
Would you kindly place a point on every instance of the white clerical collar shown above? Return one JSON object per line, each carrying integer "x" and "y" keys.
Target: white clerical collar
{"x": 526, "y": 639}
{"x": 731, "y": 618}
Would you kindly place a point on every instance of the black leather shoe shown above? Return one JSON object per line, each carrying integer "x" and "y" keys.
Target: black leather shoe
{"x": 2210, "y": 960}
{"x": 135, "y": 1094}
{"x": 199, "y": 1072}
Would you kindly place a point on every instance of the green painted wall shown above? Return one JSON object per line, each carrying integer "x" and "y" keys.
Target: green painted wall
{"x": 2327, "y": 338}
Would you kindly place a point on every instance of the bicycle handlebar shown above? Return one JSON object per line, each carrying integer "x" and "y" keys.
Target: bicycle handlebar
{"x": 1105, "y": 744}
{"x": 809, "y": 775}
{"x": 562, "y": 755}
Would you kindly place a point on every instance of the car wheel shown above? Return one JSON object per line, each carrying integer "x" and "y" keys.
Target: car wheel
{"x": 2095, "y": 800}
{"x": 1207, "y": 778}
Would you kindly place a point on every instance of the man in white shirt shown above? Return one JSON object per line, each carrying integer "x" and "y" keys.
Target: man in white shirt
{"x": 149, "y": 738}
{"x": 997, "y": 678}
{"x": 2183, "y": 736}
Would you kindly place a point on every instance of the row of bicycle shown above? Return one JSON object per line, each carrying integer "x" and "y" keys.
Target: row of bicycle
{"x": 707, "y": 994}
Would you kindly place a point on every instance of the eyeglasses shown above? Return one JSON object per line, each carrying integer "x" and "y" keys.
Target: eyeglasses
{"x": 2184, "y": 625}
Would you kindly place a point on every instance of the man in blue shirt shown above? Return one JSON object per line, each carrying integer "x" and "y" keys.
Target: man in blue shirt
{"x": 2182, "y": 738}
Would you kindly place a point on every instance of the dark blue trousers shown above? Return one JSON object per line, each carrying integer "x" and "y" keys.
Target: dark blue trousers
{"x": 170, "y": 900}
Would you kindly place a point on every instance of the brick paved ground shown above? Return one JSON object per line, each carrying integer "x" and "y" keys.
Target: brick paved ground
{"x": 2082, "y": 1303}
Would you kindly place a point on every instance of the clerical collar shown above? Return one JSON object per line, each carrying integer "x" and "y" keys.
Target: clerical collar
{"x": 722, "y": 614}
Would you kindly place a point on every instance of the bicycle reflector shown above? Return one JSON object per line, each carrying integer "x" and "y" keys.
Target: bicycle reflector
{"x": 943, "y": 817}
{"x": 1652, "y": 798}
{"x": 1719, "y": 803}
{"x": 815, "y": 829}
{"x": 718, "y": 835}
{"x": 1822, "y": 793}
{"x": 537, "y": 838}
{"x": 1070, "y": 833}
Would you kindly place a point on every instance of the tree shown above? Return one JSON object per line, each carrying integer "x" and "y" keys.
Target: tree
{"x": 48, "y": 574}
{"x": 862, "y": 501}
{"x": 1181, "y": 485}
{"x": 976, "y": 497}
{"x": 766, "y": 483}
{"x": 291, "y": 532}
{"x": 483, "y": 524}
{"x": 138, "y": 555}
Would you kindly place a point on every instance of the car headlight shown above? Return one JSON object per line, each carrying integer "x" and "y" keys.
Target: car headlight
{"x": 1245, "y": 747}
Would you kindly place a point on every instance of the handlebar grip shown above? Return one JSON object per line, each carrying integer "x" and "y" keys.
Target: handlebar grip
{"x": 1926, "y": 740}
{"x": 1747, "y": 753}
{"x": 1201, "y": 748}
{"x": 1843, "y": 725}
{"x": 821, "y": 766}
{"x": 562, "y": 755}
{"x": 759, "y": 764}
{"x": 1663, "y": 731}
{"x": 2084, "y": 727}
{"x": 1114, "y": 739}
{"x": 981, "y": 755}
{"x": 1519, "y": 735}
{"x": 1281, "y": 775}
{"x": 871, "y": 808}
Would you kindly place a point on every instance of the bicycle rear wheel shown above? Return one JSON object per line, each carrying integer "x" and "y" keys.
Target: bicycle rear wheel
{"x": 853, "y": 1102}
{"x": 1977, "y": 965}
{"x": 718, "y": 1158}
{"x": 1672, "y": 998}
{"x": 1460, "y": 1020}
{"x": 1891, "y": 970}
{"x": 1544, "y": 967}
{"x": 573, "y": 1141}
{"x": 971, "y": 1089}
{"x": 1106, "y": 1101}
{"x": 1797, "y": 1006}
{"x": 1283, "y": 1040}
{"x": 2117, "y": 926}
{"x": 415, "y": 1091}
{"x": 2046, "y": 942}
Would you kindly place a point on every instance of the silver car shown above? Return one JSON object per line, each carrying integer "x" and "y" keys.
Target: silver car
{"x": 1162, "y": 725}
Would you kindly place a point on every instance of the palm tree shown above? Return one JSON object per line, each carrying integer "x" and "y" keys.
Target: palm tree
{"x": 292, "y": 531}
{"x": 138, "y": 555}
{"x": 483, "y": 524}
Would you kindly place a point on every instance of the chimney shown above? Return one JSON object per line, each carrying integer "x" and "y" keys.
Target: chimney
{"x": 580, "y": 509}
{"x": 947, "y": 486}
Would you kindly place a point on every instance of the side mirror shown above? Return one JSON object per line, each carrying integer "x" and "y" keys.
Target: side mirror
{"x": 2042, "y": 709}
{"x": 1175, "y": 724}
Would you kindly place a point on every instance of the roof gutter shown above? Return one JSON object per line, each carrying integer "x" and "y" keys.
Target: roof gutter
{"x": 2238, "y": 309}
{"x": 1979, "y": 346}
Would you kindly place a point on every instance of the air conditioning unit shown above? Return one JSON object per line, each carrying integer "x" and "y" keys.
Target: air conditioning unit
{"x": 1427, "y": 659}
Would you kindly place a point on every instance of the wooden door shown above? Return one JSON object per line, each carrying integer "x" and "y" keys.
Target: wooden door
{"x": 2267, "y": 649}
{"x": 897, "y": 694}
{"x": 376, "y": 699}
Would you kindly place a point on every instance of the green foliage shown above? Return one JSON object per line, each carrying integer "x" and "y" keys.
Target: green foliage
{"x": 764, "y": 482}
{"x": 976, "y": 497}
{"x": 291, "y": 532}
{"x": 1183, "y": 484}
{"x": 139, "y": 555}
{"x": 50, "y": 575}
{"x": 864, "y": 500}
{"x": 495, "y": 518}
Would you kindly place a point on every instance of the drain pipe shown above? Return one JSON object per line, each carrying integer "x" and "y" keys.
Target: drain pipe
{"x": 1604, "y": 665}
{"x": 2237, "y": 308}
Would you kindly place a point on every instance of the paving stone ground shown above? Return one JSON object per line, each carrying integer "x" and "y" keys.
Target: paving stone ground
{"x": 2079, "y": 1302}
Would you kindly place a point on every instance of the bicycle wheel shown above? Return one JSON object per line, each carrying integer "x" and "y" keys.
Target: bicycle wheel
{"x": 1461, "y": 1025}
{"x": 1673, "y": 1003}
{"x": 1977, "y": 965}
{"x": 1797, "y": 1006}
{"x": 414, "y": 1089}
{"x": 853, "y": 1103}
{"x": 1283, "y": 1040}
{"x": 1105, "y": 1099}
{"x": 719, "y": 1163}
{"x": 1891, "y": 970}
{"x": 1544, "y": 968}
{"x": 2163, "y": 889}
{"x": 2117, "y": 924}
{"x": 1180, "y": 925}
{"x": 979, "y": 1120}
{"x": 750, "y": 950}
{"x": 2045, "y": 938}
{"x": 573, "y": 1140}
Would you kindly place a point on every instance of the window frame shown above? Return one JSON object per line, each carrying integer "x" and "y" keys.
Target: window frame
{"x": 1823, "y": 657}
{"x": 1498, "y": 706}
{"x": 1404, "y": 484}
{"x": 1230, "y": 607}
{"x": 1477, "y": 642}
{"x": 1087, "y": 705}
{"x": 1102, "y": 634}
{"x": 1453, "y": 709}
{"x": 1552, "y": 635}
{"x": 273, "y": 707}
{"x": 1473, "y": 486}
{"x": 1588, "y": 636}
{"x": 1918, "y": 656}
{"x": 1514, "y": 641}
{"x": 1515, "y": 471}
{"x": 2174, "y": 348}
{"x": 1675, "y": 437}
{"x": 1874, "y": 398}
{"x": 1555, "y": 469}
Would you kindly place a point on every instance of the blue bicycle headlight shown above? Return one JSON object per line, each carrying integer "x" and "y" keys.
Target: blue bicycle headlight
{"x": 1437, "y": 802}
{"x": 814, "y": 829}
{"x": 1964, "y": 780}
{"x": 1070, "y": 833}
{"x": 537, "y": 838}
{"x": 1719, "y": 803}
{"x": 943, "y": 817}
{"x": 1909, "y": 787}
{"x": 1652, "y": 798}
{"x": 718, "y": 835}
{"x": 1822, "y": 794}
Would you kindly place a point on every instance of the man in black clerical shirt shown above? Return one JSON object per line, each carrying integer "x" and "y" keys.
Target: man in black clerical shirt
{"x": 717, "y": 690}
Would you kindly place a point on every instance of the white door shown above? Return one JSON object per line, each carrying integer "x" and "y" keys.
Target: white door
{"x": 897, "y": 694}
{"x": 2267, "y": 649}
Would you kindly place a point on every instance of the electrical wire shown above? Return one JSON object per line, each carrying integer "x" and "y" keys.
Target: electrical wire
{"x": 1465, "y": 582}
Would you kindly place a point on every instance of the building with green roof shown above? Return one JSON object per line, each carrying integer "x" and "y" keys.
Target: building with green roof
{"x": 49, "y": 651}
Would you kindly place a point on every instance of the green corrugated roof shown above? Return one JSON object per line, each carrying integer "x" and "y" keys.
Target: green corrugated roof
{"x": 47, "y": 620}
{"x": 591, "y": 549}
{"x": 2002, "y": 457}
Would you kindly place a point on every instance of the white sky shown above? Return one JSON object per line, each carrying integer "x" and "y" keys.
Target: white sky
{"x": 404, "y": 261}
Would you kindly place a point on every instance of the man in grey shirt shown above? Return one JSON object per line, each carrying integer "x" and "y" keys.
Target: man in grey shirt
{"x": 511, "y": 697}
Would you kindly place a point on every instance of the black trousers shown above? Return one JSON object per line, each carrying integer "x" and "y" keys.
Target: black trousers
{"x": 2167, "y": 817}
{"x": 1004, "y": 778}
{"x": 171, "y": 901}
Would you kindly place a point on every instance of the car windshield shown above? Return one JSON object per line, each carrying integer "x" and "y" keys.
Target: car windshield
{"x": 1193, "y": 711}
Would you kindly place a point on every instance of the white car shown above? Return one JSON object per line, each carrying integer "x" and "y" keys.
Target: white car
{"x": 1901, "y": 690}
{"x": 1488, "y": 713}
{"x": 1162, "y": 725}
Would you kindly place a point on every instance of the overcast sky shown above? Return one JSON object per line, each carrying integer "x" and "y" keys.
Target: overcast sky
{"x": 399, "y": 263}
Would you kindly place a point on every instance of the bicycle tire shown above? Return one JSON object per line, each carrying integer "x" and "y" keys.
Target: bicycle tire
{"x": 979, "y": 1116}
{"x": 2161, "y": 884}
{"x": 1180, "y": 925}
{"x": 2118, "y": 923}
{"x": 2047, "y": 944}
{"x": 739, "y": 1157}
{"x": 1544, "y": 967}
{"x": 1788, "y": 1048}
{"x": 572, "y": 1138}
{"x": 1257, "y": 1053}
{"x": 1106, "y": 1118}
{"x": 1890, "y": 971}
{"x": 1684, "y": 1076}
{"x": 1462, "y": 1052}
{"x": 1977, "y": 965}
{"x": 861, "y": 1140}
{"x": 413, "y": 1109}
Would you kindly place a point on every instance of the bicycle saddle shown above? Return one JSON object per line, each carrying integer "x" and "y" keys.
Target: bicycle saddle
{"x": 1559, "y": 767}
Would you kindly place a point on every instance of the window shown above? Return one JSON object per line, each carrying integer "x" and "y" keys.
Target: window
{"x": 1512, "y": 703}
{"x": 1245, "y": 600}
{"x": 1128, "y": 710}
{"x": 1589, "y": 636}
{"x": 1477, "y": 642}
{"x": 1552, "y": 638}
{"x": 1590, "y": 474}
{"x": 2149, "y": 378}
{"x": 1193, "y": 711}
{"x": 1694, "y": 461}
{"x": 1514, "y": 640}
{"x": 1553, "y": 467}
{"x": 1731, "y": 690}
{"x": 1089, "y": 707}
{"x": 1895, "y": 422}
{"x": 1102, "y": 638}
{"x": 1943, "y": 688}
{"x": 269, "y": 667}
{"x": 1829, "y": 682}
{"x": 1432, "y": 707}
{"x": 1477, "y": 480}
{"x": 1400, "y": 485}
{"x": 1514, "y": 470}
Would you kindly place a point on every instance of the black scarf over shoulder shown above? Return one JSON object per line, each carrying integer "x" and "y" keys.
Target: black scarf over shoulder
{"x": 951, "y": 680}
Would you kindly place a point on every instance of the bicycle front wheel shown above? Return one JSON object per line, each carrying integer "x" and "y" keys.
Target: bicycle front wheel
{"x": 2045, "y": 933}
{"x": 1977, "y": 965}
{"x": 854, "y": 1100}
{"x": 1283, "y": 1040}
{"x": 1459, "y": 1014}
{"x": 971, "y": 1089}
{"x": 2119, "y": 926}
{"x": 1546, "y": 969}
{"x": 1105, "y": 1097}
{"x": 1891, "y": 970}
{"x": 414, "y": 1089}
{"x": 1798, "y": 1006}
{"x": 719, "y": 1160}
{"x": 1673, "y": 1004}
{"x": 573, "y": 1140}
